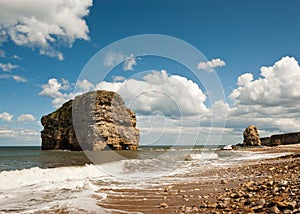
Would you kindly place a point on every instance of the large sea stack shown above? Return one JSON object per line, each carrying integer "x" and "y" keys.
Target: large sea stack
{"x": 93, "y": 121}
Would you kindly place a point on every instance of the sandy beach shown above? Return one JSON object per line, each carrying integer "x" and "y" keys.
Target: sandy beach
{"x": 262, "y": 186}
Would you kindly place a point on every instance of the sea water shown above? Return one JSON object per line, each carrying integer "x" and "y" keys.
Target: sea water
{"x": 34, "y": 180}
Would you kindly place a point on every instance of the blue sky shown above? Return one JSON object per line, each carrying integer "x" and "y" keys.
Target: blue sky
{"x": 42, "y": 54}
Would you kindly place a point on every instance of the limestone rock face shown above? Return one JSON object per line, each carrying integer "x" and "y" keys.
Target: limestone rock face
{"x": 281, "y": 139}
{"x": 251, "y": 137}
{"x": 93, "y": 121}
{"x": 58, "y": 130}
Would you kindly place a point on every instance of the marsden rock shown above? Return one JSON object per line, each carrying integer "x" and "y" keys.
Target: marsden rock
{"x": 251, "y": 136}
{"x": 93, "y": 121}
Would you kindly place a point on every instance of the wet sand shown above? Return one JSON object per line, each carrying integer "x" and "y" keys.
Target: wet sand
{"x": 260, "y": 186}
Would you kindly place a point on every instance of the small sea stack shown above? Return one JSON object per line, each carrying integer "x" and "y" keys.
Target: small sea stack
{"x": 251, "y": 136}
{"x": 93, "y": 121}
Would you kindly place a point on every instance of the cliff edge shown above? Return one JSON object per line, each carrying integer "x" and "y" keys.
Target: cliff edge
{"x": 281, "y": 139}
{"x": 101, "y": 121}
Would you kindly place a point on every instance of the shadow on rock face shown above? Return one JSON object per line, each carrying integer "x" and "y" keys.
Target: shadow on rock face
{"x": 93, "y": 121}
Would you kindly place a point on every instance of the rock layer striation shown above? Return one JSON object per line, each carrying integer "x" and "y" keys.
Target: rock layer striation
{"x": 93, "y": 121}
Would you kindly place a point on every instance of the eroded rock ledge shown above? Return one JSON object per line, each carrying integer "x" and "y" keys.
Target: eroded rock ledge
{"x": 281, "y": 139}
{"x": 101, "y": 121}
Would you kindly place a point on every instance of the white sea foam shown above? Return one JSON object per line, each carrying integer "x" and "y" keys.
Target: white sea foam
{"x": 39, "y": 189}
{"x": 227, "y": 147}
{"x": 27, "y": 177}
{"x": 203, "y": 156}
{"x": 29, "y": 190}
{"x": 138, "y": 172}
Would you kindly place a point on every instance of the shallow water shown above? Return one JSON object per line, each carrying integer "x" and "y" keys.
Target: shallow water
{"x": 12, "y": 158}
{"x": 32, "y": 180}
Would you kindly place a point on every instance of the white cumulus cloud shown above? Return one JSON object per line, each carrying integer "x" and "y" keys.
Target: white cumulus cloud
{"x": 277, "y": 86}
{"x": 6, "y": 116}
{"x": 112, "y": 59}
{"x": 129, "y": 63}
{"x": 44, "y": 24}
{"x": 84, "y": 85}
{"x": 118, "y": 78}
{"x": 13, "y": 77}
{"x": 12, "y": 135}
{"x": 210, "y": 65}
{"x": 158, "y": 92}
{"x": 271, "y": 101}
{"x": 8, "y": 67}
{"x": 17, "y": 57}
{"x": 244, "y": 79}
{"x": 26, "y": 117}
{"x": 54, "y": 89}
{"x": 19, "y": 79}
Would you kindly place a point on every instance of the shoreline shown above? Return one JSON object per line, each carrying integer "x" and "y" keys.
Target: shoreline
{"x": 257, "y": 186}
